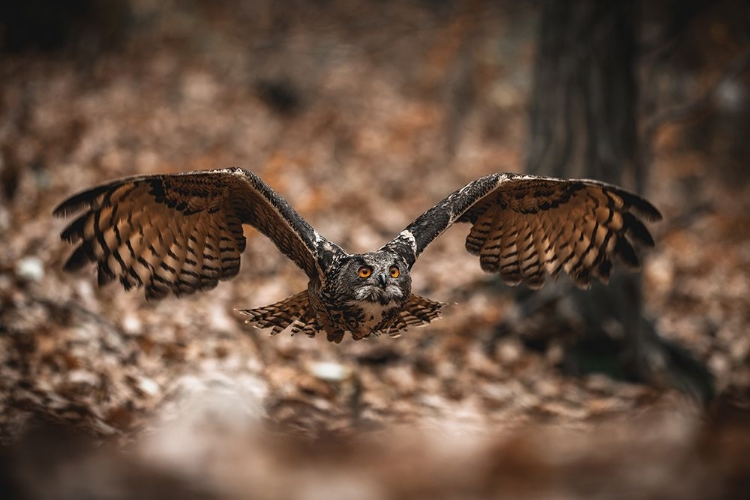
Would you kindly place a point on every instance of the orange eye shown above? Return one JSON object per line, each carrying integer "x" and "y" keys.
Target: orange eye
{"x": 365, "y": 272}
{"x": 395, "y": 272}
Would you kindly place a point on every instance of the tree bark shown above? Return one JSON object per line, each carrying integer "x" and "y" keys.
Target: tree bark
{"x": 584, "y": 124}
{"x": 584, "y": 99}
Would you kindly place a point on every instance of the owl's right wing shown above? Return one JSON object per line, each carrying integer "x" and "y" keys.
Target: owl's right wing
{"x": 525, "y": 227}
{"x": 182, "y": 233}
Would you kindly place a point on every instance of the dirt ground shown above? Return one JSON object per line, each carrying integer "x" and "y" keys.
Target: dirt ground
{"x": 362, "y": 116}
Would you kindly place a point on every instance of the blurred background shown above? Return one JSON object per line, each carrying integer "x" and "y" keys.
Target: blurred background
{"x": 362, "y": 115}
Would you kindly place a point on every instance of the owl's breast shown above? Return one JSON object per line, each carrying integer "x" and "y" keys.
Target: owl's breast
{"x": 372, "y": 314}
{"x": 366, "y": 318}
{"x": 362, "y": 313}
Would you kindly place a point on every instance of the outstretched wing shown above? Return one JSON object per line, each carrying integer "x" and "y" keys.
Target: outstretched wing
{"x": 181, "y": 233}
{"x": 524, "y": 227}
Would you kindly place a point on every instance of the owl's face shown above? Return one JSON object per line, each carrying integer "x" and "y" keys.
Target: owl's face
{"x": 379, "y": 277}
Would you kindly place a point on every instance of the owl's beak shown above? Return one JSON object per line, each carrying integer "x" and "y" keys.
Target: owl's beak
{"x": 382, "y": 280}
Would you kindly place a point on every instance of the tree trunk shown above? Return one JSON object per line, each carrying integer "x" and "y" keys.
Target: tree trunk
{"x": 583, "y": 113}
{"x": 583, "y": 124}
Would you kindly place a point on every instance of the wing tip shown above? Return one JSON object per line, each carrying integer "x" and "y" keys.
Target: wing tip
{"x": 79, "y": 201}
{"x": 627, "y": 254}
{"x": 640, "y": 205}
{"x": 637, "y": 230}
{"x": 69, "y": 206}
{"x": 646, "y": 209}
{"x": 583, "y": 279}
{"x": 78, "y": 259}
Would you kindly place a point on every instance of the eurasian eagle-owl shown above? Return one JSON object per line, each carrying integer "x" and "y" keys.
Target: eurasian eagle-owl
{"x": 181, "y": 233}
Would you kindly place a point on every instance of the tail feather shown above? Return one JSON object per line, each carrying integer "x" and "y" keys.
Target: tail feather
{"x": 307, "y": 324}
{"x": 295, "y": 311}
{"x": 418, "y": 311}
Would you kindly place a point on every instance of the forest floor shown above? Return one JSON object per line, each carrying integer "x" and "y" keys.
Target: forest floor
{"x": 361, "y": 130}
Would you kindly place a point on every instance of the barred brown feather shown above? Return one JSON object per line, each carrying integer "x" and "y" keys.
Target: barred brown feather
{"x": 180, "y": 233}
{"x": 544, "y": 226}
{"x": 294, "y": 311}
{"x": 417, "y": 312}
{"x": 527, "y": 227}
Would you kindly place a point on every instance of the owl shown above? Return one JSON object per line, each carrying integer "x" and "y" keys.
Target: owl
{"x": 181, "y": 233}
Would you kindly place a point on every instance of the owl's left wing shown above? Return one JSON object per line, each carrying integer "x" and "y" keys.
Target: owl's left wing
{"x": 524, "y": 227}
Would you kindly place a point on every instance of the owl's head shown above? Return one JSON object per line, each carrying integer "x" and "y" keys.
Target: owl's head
{"x": 379, "y": 277}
